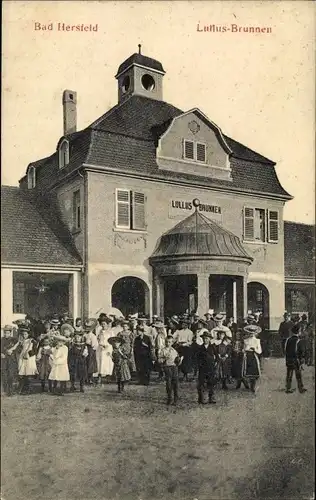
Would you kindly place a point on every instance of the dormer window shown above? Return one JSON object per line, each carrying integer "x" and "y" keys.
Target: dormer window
{"x": 195, "y": 151}
{"x": 31, "y": 177}
{"x": 63, "y": 154}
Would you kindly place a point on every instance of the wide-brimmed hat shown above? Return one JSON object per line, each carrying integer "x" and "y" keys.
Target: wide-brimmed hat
{"x": 19, "y": 322}
{"x": 113, "y": 340}
{"x": 251, "y": 317}
{"x": 175, "y": 319}
{"x": 90, "y": 324}
{"x": 219, "y": 317}
{"x": 65, "y": 327}
{"x": 54, "y": 322}
{"x": 170, "y": 336}
{"x": 124, "y": 322}
{"x": 159, "y": 324}
{"x": 23, "y": 329}
{"x": 142, "y": 318}
{"x": 8, "y": 328}
{"x": 206, "y": 334}
{"x": 252, "y": 330}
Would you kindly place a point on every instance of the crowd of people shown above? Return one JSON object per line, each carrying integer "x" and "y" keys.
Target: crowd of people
{"x": 63, "y": 353}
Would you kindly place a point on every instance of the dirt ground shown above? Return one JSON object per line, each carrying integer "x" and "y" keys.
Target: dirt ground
{"x": 104, "y": 446}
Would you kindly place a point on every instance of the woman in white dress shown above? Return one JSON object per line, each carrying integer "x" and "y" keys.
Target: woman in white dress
{"x": 27, "y": 360}
{"x": 104, "y": 350}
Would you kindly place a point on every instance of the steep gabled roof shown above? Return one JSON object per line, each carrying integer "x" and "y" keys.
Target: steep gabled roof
{"x": 31, "y": 237}
{"x": 125, "y": 139}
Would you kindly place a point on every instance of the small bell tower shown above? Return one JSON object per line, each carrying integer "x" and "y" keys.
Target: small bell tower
{"x": 140, "y": 75}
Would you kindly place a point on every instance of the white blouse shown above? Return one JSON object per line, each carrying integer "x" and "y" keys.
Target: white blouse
{"x": 252, "y": 343}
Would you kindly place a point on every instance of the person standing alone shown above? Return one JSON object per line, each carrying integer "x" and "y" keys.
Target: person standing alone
{"x": 294, "y": 359}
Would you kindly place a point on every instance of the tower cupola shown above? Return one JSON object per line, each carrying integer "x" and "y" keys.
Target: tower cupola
{"x": 140, "y": 75}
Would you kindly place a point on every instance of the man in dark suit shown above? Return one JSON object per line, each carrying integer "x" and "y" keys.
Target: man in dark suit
{"x": 207, "y": 358}
{"x": 285, "y": 330}
{"x": 294, "y": 359}
{"x": 144, "y": 355}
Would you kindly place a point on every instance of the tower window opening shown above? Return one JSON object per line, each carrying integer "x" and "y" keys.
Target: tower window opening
{"x": 148, "y": 82}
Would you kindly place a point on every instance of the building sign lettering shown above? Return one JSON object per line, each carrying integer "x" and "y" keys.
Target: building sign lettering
{"x": 188, "y": 205}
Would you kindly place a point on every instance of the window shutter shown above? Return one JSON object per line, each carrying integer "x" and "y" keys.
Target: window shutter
{"x": 189, "y": 150}
{"x": 138, "y": 211}
{"x": 248, "y": 224}
{"x": 123, "y": 208}
{"x": 201, "y": 152}
{"x": 273, "y": 226}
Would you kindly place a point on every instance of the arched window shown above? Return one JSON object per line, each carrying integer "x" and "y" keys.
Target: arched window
{"x": 31, "y": 177}
{"x": 63, "y": 154}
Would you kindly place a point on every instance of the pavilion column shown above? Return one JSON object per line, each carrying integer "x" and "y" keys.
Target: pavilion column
{"x": 242, "y": 297}
{"x": 203, "y": 287}
{"x": 245, "y": 296}
{"x": 235, "y": 300}
{"x": 73, "y": 295}
{"x": 158, "y": 296}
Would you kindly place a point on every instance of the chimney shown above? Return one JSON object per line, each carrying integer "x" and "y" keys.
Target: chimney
{"x": 70, "y": 111}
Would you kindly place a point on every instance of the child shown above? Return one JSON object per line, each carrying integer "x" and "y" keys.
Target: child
{"x": 170, "y": 360}
{"x": 59, "y": 362}
{"x": 27, "y": 360}
{"x": 121, "y": 362}
{"x": 9, "y": 366}
{"x": 77, "y": 362}
{"x": 43, "y": 363}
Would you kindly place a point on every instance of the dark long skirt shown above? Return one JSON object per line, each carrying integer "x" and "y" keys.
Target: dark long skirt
{"x": 251, "y": 365}
{"x": 91, "y": 361}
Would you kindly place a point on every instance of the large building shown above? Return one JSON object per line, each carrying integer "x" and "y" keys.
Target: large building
{"x": 149, "y": 209}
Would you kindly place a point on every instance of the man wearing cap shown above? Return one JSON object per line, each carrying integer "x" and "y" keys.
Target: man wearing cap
{"x": 207, "y": 358}
{"x": 9, "y": 365}
{"x": 294, "y": 359}
{"x": 285, "y": 330}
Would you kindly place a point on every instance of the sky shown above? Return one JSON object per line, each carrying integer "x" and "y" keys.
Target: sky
{"x": 259, "y": 88}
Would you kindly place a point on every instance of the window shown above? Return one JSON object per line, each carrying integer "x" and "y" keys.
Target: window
{"x": 194, "y": 151}
{"x": 63, "y": 154}
{"x": 18, "y": 298}
{"x": 130, "y": 210}
{"x": 255, "y": 224}
{"x": 31, "y": 177}
{"x": 76, "y": 210}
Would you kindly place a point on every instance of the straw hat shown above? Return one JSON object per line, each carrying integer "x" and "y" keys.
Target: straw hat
{"x": 252, "y": 330}
{"x": 65, "y": 327}
{"x": 159, "y": 324}
{"x": 7, "y": 328}
{"x": 219, "y": 317}
{"x": 90, "y": 324}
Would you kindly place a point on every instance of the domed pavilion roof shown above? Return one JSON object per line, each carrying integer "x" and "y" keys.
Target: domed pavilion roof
{"x": 198, "y": 236}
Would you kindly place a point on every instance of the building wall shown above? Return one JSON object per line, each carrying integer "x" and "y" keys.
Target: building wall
{"x": 113, "y": 253}
{"x": 65, "y": 195}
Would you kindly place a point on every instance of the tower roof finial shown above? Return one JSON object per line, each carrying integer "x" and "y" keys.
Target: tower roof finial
{"x": 139, "y": 48}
